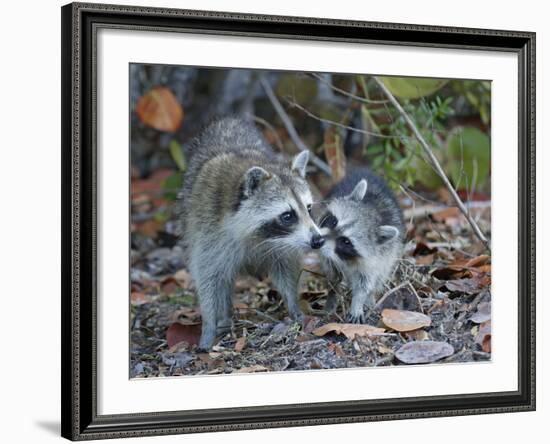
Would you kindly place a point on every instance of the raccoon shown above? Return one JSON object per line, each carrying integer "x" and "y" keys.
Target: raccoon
{"x": 363, "y": 226}
{"x": 243, "y": 209}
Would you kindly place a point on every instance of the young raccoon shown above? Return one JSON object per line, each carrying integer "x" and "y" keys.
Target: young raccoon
{"x": 364, "y": 232}
{"x": 243, "y": 208}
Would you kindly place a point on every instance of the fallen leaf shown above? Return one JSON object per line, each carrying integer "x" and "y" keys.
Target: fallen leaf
{"x": 348, "y": 330}
{"x": 403, "y": 320}
{"x": 309, "y": 323}
{"x": 252, "y": 369}
{"x": 483, "y": 337}
{"x": 417, "y": 335}
{"x": 169, "y": 285}
{"x": 483, "y": 313}
{"x": 240, "y": 344}
{"x": 138, "y": 298}
{"x": 160, "y": 109}
{"x": 468, "y": 285}
{"x": 423, "y": 249}
{"x": 184, "y": 278}
{"x": 177, "y": 332}
{"x": 425, "y": 260}
{"x": 447, "y": 213}
{"x": 451, "y": 272}
{"x": 423, "y": 352}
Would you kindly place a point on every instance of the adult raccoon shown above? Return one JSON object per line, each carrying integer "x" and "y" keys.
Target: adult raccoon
{"x": 243, "y": 208}
{"x": 364, "y": 232}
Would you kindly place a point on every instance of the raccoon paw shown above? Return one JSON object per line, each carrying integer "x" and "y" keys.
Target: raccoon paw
{"x": 356, "y": 318}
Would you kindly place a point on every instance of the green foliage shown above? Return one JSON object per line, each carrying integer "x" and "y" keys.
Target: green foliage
{"x": 412, "y": 87}
{"x": 177, "y": 155}
{"x": 171, "y": 186}
{"x": 464, "y": 154}
{"x": 478, "y": 95}
{"x": 469, "y": 157}
{"x": 302, "y": 89}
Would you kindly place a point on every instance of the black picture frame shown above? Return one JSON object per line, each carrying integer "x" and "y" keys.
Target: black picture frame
{"x": 79, "y": 171}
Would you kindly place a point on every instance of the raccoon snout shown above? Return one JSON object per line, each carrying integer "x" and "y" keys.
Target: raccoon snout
{"x": 317, "y": 241}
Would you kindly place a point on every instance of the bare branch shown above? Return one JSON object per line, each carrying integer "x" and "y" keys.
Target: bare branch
{"x": 347, "y": 93}
{"x": 434, "y": 162}
{"x": 341, "y": 125}
{"x": 290, "y": 128}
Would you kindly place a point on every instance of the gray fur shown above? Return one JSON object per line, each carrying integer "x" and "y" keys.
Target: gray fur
{"x": 235, "y": 190}
{"x": 369, "y": 216}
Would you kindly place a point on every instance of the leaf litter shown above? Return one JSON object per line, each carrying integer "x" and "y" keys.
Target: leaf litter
{"x": 436, "y": 308}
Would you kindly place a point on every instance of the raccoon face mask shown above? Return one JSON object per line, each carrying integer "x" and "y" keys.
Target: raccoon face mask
{"x": 352, "y": 233}
{"x": 276, "y": 207}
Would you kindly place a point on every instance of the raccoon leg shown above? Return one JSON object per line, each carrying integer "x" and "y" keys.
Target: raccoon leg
{"x": 285, "y": 279}
{"x": 362, "y": 294}
{"x": 225, "y": 312}
{"x": 213, "y": 296}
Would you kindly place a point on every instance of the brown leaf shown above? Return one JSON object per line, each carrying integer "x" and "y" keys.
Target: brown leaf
{"x": 190, "y": 333}
{"x": 422, "y": 249}
{"x": 309, "y": 323}
{"x": 138, "y": 298}
{"x": 184, "y": 278}
{"x": 451, "y": 272}
{"x": 425, "y": 260}
{"x": 447, "y": 213}
{"x": 468, "y": 285}
{"x": 423, "y": 352}
{"x": 483, "y": 337}
{"x": 169, "y": 285}
{"x": 417, "y": 335}
{"x": 160, "y": 109}
{"x": 348, "y": 330}
{"x": 402, "y": 320}
{"x": 334, "y": 152}
{"x": 240, "y": 344}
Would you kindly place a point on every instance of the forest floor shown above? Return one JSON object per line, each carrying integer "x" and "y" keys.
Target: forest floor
{"x": 436, "y": 307}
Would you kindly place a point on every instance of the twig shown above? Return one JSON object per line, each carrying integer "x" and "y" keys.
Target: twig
{"x": 290, "y": 128}
{"x": 271, "y": 128}
{"x": 347, "y": 93}
{"x": 341, "y": 125}
{"x": 434, "y": 162}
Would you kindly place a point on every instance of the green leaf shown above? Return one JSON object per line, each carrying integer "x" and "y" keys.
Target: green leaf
{"x": 469, "y": 151}
{"x": 171, "y": 186}
{"x": 177, "y": 155}
{"x": 412, "y": 87}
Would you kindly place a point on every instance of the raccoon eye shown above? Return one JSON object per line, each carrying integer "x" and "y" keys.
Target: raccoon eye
{"x": 309, "y": 208}
{"x": 344, "y": 241}
{"x": 288, "y": 217}
{"x": 329, "y": 221}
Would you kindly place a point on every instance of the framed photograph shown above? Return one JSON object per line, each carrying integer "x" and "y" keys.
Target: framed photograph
{"x": 279, "y": 221}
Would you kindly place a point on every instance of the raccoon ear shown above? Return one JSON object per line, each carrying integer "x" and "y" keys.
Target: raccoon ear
{"x": 359, "y": 191}
{"x": 299, "y": 163}
{"x": 253, "y": 179}
{"x": 386, "y": 233}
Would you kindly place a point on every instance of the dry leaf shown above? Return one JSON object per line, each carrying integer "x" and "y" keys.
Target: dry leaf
{"x": 483, "y": 337}
{"x": 402, "y": 320}
{"x": 423, "y": 352}
{"x": 348, "y": 330}
{"x": 240, "y": 344}
{"x": 160, "y": 109}
{"x": 184, "y": 278}
{"x": 190, "y": 333}
{"x": 138, "y": 298}
{"x": 483, "y": 313}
